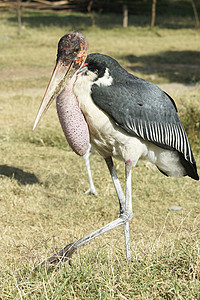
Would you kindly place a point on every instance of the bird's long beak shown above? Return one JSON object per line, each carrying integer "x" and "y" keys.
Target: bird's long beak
{"x": 60, "y": 75}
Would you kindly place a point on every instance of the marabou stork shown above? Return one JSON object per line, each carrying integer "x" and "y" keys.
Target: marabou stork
{"x": 121, "y": 115}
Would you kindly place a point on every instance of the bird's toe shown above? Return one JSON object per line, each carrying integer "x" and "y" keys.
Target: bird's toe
{"x": 62, "y": 256}
{"x": 91, "y": 191}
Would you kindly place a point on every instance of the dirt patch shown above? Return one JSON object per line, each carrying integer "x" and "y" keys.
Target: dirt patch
{"x": 25, "y": 73}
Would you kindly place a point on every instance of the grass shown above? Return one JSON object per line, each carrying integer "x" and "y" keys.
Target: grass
{"x": 42, "y": 182}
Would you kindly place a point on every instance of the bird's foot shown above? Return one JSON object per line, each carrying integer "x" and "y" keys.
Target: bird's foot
{"x": 62, "y": 256}
{"x": 91, "y": 191}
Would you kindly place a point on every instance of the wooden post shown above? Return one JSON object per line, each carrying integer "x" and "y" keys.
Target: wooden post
{"x": 125, "y": 16}
{"x": 195, "y": 14}
{"x": 19, "y": 16}
{"x": 153, "y": 15}
{"x": 89, "y": 9}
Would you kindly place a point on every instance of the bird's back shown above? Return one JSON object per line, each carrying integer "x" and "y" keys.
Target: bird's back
{"x": 141, "y": 108}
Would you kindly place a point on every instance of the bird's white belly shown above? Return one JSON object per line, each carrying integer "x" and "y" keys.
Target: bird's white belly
{"x": 110, "y": 140}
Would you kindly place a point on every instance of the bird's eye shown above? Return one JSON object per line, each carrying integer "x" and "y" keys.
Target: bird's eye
{"x": 76, "y": 50}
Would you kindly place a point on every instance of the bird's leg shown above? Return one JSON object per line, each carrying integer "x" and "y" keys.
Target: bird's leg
{"x": 125, "y": 216}
{"x": 125, "y": 203}
{"x": 91, "y": 189}
{"x": 67, "y": 251}
{"x": 128, "y": 209}
{"x": 117, "y": 184}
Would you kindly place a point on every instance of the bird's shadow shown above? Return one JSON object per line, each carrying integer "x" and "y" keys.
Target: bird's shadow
{"x": 176, "y": 66}
{"x": 21, "y": 176}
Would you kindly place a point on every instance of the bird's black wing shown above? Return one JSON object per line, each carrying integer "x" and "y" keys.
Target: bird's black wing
{"x": 144, "y": 110}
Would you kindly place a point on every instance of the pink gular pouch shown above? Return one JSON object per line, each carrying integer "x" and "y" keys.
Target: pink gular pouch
{"x": 72, "y": 119}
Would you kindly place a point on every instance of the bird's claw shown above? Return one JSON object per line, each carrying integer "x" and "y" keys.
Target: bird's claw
{"x": 62, "y": 256}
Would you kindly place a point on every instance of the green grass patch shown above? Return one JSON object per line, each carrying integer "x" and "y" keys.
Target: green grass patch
{"x": 191, "y": 122}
